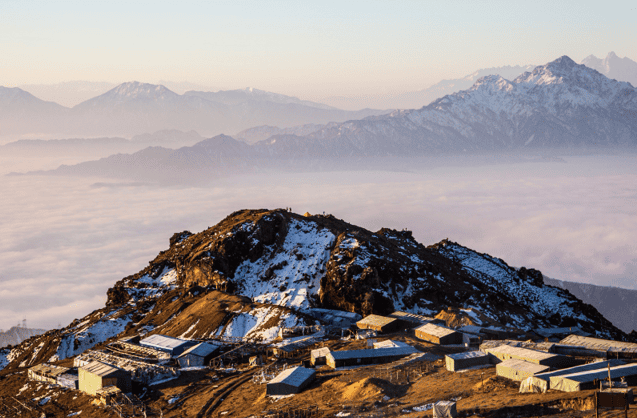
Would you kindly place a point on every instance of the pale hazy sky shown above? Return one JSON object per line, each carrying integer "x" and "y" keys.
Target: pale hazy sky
{"x": 302, "y": 48}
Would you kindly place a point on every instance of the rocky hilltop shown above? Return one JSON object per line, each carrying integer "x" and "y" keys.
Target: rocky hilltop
{"x": 259, "y": 270}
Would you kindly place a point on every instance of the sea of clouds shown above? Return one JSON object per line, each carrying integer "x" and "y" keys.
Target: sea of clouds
{"x": 65, "y": 241}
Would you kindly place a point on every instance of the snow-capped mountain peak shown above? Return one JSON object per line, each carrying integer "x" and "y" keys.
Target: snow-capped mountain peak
{"x": 135, "y": 89}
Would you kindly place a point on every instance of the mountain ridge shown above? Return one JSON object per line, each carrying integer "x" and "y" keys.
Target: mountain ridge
{"x": 258, "y": 270}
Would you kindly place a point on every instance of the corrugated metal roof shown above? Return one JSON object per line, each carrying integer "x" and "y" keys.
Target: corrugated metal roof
{"x": 390, "y": 344}
{"x": 436, "y": 330}
{"x": 201, "y": 349}
{"x": 523, "y": 366}
{"x": 582, "y": 368}
{"x": 521, "y": 352}
{"x": 163, "y": 341}
{"x": 377, "y": 352}
{"x": 49, "y": 369}
{"x": 410, "y": 317}
{"x": 467, "y": 354}
{"x": 100, "y": 369}
{"x": 294, "y": 377}
{"x": 595, "y": 343}
{"x": 548, "y": 332}
{"x": 376, "y": 320}
{"x": 601, "y": 374}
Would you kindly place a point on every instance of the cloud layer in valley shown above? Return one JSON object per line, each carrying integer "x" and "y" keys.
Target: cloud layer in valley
{"x": 65, "y": 241}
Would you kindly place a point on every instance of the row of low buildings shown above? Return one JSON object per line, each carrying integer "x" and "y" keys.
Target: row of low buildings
{"x": 543, "y": 368}
{"x": 115, "y": 368}
{"x": 425, "y": 328}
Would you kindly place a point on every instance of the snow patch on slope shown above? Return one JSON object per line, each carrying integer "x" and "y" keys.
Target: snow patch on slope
{"x": 86, "y": 337}
{"x": 291, "y": 276}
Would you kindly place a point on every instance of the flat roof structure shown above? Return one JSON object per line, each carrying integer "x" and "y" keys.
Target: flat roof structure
{"x": 174, "y": 346}
{"x": 390, "y": 344}
{"x": 507, "y": 352}
{"x": 459, "y": 361}
{"x": 596, "y": 343}
{"x": 290, "y": 381}
{"x": 379, "y": 323}
{"x": 411, "y": 318}
{"x": 438, "y": 334}
{"x": 518, "y": 370}
{"x": 360, "y": 357}
{"x": 201, "y": 350}
{"x": 46, "y": 372}
{"x": 585, "y": 380}
{"x": 542, "y": 381}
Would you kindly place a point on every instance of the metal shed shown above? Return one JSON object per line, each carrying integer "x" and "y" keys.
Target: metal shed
{"x": 198, "y": 355}
{"x": 45, "y": 372}
{"x": 586, "y": 380}
{"x": 361, "y": 357}
{"x": 389, "y": 344}
{"x": 413, "y": 320}
{"x": 507, "y": 352}
{"x": 518, "y": 370}
{"x": 595, "y": 343}
{"x": 292, "y": 347}
{"x": 380, "y": 323}
{"x": 290, "y": 381}
{"x": 171, "y": 345}
{"x": 438, "y": 334}
{"x": 95, "y": 376}
{"x": 459, "y": 361}
{"x": 319, "y": 356}
{"x": 541, "y": 382}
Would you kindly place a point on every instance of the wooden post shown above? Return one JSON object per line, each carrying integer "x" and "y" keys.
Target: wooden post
{"x": 596, "y": 405}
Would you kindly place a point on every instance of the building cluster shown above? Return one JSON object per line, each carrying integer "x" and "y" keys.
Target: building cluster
{"x": 124, "y": 363}
{"x": 572, "y": 364}
{"x": 547, "y": 363}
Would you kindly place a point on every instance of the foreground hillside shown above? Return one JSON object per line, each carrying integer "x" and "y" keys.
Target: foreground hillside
{"x": 257, "y": 271}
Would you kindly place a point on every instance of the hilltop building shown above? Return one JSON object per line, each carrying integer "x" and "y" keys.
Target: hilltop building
{"x": 95, "y": 376}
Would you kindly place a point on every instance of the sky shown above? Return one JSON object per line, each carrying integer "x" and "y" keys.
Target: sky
{"x": 309, "y": 49}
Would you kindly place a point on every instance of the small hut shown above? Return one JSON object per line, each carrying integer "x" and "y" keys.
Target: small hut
{"x": 47, "y": 373}
{"x": 95, "y": 376}
{"x": 518, "y": 370}
{"x": 380, "y": 323}
{"x": 459, "y": 361}
{"x": 319, "y": 356}
{"x": 438, "y": 334}
{"x": 198, "y": 355}
{"x": 290, "y": 381}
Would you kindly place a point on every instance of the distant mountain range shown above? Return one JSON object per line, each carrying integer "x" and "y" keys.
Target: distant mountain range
{"x": 15, "y": 335}
{"x": 620, "y": 69}
{"x": 420, "y": 98}
{"x": 136, "y": 108}
{"x": 558, "y": 105}
{"x": 616, "y": 304}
